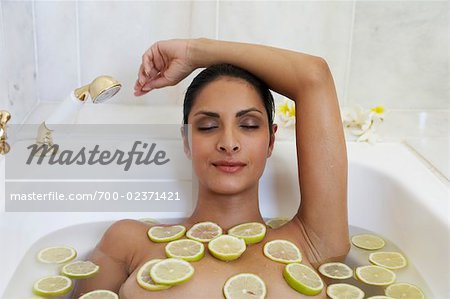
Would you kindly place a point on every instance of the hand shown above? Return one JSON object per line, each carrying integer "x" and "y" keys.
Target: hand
{"x": 165, "y": 63}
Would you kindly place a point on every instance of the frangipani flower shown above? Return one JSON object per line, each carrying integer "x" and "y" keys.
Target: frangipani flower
{"x": 285, "y": 113}
{"x": 363, "y": 123}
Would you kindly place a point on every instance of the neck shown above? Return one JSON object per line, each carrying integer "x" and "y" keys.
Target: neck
{"x": 227, "y": 210}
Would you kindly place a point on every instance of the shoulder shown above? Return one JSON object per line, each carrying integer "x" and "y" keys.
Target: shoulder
{"x": 122, "y": 239}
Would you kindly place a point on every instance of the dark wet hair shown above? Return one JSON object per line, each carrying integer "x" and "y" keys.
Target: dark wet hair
{"x": 217, "y": 71}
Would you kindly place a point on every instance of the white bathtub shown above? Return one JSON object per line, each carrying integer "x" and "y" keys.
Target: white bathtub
{"x": 391, "y": 192}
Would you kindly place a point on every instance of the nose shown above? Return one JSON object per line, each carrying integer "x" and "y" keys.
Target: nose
{"x": 228, "y": 142}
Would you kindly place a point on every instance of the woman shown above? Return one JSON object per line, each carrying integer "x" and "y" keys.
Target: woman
{"x": 232, "y": 136}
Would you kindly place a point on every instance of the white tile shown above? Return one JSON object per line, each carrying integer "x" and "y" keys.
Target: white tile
{"x": 317, "y": 28}
{"x": 20, "y": 58}
{"x": 4, "y": 103}
{"x": 114, "y": 35}
{"x": 57, "y": 49}
{"x": 400, "y": 55}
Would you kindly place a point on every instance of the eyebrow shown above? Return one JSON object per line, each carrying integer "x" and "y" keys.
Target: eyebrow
{"x": 238, "y": 114}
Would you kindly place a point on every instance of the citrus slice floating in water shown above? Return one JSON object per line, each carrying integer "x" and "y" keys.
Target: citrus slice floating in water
{"x": 160, "y": 234}
{"x": 303, "y": 279}
{"x": 226, "y": 247}
{"x": 368, "y": 242}
{"x": 150, "y": 221}
{"x": 57, "y": 254}
{"x": 245, "y": 285}
{"x": 100, "y": 294}
{"x": 171, "y": 272}
{"x": 186, "y": 249}
{"x": 390, "y": 260}
{"x": 144, "y": 279}
{"x": 344, "y": 291}
{"x": 53, "y": 286}
{"x": 404, "y": 290}
{"x": 251, "y": 233}
{"x": 336, "y": 270}
{"x": 277, "y": 222}
{"x": 80, "y": 269}
{"x": 282, "y": 251}
{"x": 204, "y": 231}
{"x": 375, "y": 275}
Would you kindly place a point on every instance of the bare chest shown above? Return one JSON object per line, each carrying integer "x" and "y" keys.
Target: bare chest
{"x": 211, "y": 274}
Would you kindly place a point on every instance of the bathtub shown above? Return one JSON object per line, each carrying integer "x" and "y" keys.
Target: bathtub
{"x": 392, "y": 192}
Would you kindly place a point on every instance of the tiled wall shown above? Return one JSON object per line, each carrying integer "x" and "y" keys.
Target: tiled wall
{"x": 380, "y": 52}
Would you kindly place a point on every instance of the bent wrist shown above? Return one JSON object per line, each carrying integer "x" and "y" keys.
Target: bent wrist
{"x": 201, "y": 52}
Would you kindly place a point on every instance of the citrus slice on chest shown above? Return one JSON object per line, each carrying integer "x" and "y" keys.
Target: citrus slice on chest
{"x": 204, "y": 231}
{"x": 282, "y": 251}
{"x": 251, "y": 233}
{"x": 245, "y": 286}
{"x": 160, "y": 234}
{"x": 186, "y": 249}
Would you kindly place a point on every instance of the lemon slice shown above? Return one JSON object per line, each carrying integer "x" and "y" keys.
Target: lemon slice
{"x": 367, "y": 241}
{"x": 226, "y": 248}
{"x": 204, "y": 231}
{"x": 404, "y": 290}
{"x": 336, "y": 270}
{"x": 100, "y": 294}
{"x": 251, "y": 233}
{"x": 56, "y": 255}
{"x": 171, "y": 272}
{"x": 150, "y": 221}
{"x": 144, "y": 279}
{"x": 188, "y": 250}
{"x": 79, "y": 269}
{"x": 390, "y": 260}
{"x": 277, "y": 222}
{"x": 53, "y": 286}
{"x": 243, "y": 286}
{"x": 303, "y": 279}
{"x": 375, "y": 275}
{"x": 344, "y": 291}
{"x": 160, "y": 234}
{"x": 282, "y": 251}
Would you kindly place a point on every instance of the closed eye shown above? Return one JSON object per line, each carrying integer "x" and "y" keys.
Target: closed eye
{"x": 207, "y": 128}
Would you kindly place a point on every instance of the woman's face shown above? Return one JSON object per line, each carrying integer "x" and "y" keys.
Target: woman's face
{"x": 230, "y": 136}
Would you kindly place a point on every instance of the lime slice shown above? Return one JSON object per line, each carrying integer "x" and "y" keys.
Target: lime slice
{"x": 171, "y": 271}
{"x": 251, "y": 233}
{"x": 186, "y": 249}
{"x": 404, "y": 290}
{"x": 204, "y": 231}
{"x": 56, "y": 254}
{"x": 144, "y": 279}
{"x": 53, "y": 286}
{"x": 336, "y": 270}
{"x": 160, "y": 234}
{"x": 390, "y": 260}
{"x": 243, "y": 286}
{"x": 282, "y": 251}
{"x": 226, "y": 248}
{"x": 303, "y": 279}
{"x": 79, "y": 269}
{"x": 375, "y": 275}
{"x": 344, "y": 291}
{"x": 100, "y": 294}
{"x": 277, "y": 222}
{"x": 150, "y": 221}
{"x": 369, "y": 242}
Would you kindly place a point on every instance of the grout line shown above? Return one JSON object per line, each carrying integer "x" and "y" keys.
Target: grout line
{"x": 349, "y": 56}
{"x": 36, "y": 56}
{"x": 217, "y": 18}
{"x": 77, "y": 30}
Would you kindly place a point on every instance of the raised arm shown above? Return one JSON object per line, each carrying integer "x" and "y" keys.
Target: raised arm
{"x": 305, "y": 79}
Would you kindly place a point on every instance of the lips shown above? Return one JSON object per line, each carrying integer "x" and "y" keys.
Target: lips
{"x": 229, "y": 166}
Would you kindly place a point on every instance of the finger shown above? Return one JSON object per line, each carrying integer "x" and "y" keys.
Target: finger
{"x": 142, "y": 77}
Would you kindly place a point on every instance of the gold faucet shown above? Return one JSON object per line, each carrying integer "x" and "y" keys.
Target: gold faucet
{"x": 5, "y": 116}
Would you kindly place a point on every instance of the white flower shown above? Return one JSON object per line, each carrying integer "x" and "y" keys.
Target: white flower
{"x": 363, "y": 123}
{"x": 285, "y": 113}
